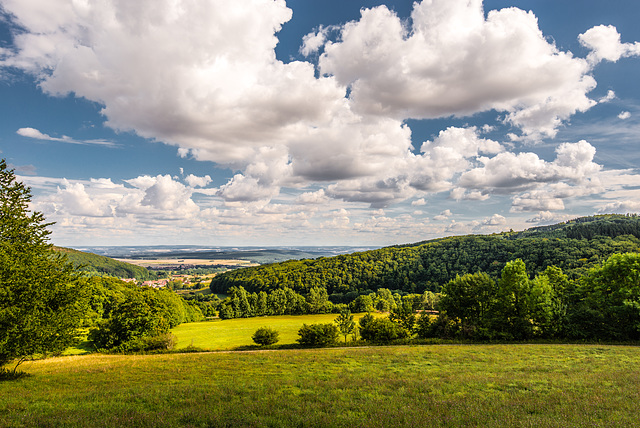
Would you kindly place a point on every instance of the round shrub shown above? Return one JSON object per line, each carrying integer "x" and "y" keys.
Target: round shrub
{"x": 318, "y": 334}
{"x": 381, "y": 330}
{"x": 265, "y": 336}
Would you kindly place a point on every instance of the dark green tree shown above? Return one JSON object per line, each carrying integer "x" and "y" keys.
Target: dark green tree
{"x": 468, "y": 299}
{"x": 381, "y": 330}
{"x": 318, "y": 334}
{"x": 132, "y": 322}
{"x": 40, "y": 295}
{"x": 266, "y": 336}
{"x": 611, "y": 294}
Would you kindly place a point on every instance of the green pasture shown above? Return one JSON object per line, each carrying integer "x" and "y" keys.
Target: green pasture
{"x": 237, "y": 332}
{"x": 416, "y": 386}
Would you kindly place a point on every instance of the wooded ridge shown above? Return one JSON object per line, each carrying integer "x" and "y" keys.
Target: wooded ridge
{"x": 574, "y": 246}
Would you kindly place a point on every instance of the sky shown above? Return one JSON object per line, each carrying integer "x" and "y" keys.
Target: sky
{"x": 333, "y": 122}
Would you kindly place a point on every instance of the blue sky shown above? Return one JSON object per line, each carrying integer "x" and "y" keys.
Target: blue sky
{"x": 262, "y": 122}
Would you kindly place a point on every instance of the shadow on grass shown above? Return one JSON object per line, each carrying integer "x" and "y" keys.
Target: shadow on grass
{"x": 9, "y": 375}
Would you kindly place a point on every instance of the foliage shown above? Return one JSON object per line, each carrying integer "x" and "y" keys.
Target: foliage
{"x": 404, "y": 316}
{"x": 469, "y": 299}
{"x": 265, "y": 336}
{"x": 381, "y": 329}
{"x": 574, "y": 247}
{"x": 608, "y": 300}
{"x": 345, "y": 324}
{"x": 126, "y": 317}
{"x": 318, "y": 334}
{"x": 604, "y": 304}
{"x": 159, "y": 342}
{"x": 40, "y": 295}
{"x": 100, "y": 265}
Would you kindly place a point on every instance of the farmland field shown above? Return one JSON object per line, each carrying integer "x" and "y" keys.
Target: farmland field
{"x": 433, "y": 385}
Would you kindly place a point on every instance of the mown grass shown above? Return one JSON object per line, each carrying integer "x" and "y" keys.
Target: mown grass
{"x": 435, "y": 385}
{"x": 237, "y": 332}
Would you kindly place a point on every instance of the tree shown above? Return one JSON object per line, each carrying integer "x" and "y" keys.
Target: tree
{"x": 381, "y": 329}
{"x": 135, "y": 320}
{"x": 345, "y": 323}
{"x": 469, "y": 299}
{"x": 362, "y": 303}
{"x": 404, "y": 316}
{"x": 317, "y": 300}
{"x": 40, "y": 294}
{"x": 511, "y": 313}
{"x": 611, "y": 293}
{"x": 265, "y": 336}
{"x": 318, "y": 334}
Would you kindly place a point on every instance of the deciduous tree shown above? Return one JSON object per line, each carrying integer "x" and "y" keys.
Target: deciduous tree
{"x": 345, "y": 323}
{"x": 40, "y": 294}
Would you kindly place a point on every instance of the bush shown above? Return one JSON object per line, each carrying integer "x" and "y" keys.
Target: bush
{"x": 380, "y": 329}
{"x": 161, "y": 342}
{"x": 318, "y": 334}
{"x": 265, "y": 336}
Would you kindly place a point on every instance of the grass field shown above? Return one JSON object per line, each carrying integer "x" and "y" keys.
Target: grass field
{"x": 433, "y": 385}
{"x": 234, "y": 333}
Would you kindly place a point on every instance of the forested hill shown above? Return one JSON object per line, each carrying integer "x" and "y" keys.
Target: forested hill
{"x": 573, "y": 246}
{"x": 93, "y": 263}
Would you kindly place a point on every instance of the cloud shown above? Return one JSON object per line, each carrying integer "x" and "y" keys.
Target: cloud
{"x": 624, "y": 115}
{"x": 621, "y": 207}
{"x": 203, "y": 76}
{"x": 547, "y": 217}
{"x": 312, "y": 198}
{"x": 23, "y": 169}
{"x": 195, "y": 181}
{"x": 536, "y": 201}
{"x": 611, "y": 95}
{"x": 74, "y": 200}
{"x": 604, "y": 43}
{"x": 418, "y": 202}
{"x": 494, "y": 220}
{"x": 312, "y": 42}
{"x": 35, "y": 134}
{"x": 450, "y": 60}
{"x": 443, "y": 215}
{"x": 200, "y": 75}
{"x": 507, "y": 172}
{"x": 246, "y": 189}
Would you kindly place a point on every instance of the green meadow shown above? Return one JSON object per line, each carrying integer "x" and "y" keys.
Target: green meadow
{"x": 429, "y": 385}
{"x": 237, "y": 332}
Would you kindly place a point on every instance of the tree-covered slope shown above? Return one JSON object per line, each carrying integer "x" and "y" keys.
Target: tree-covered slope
{"x": 93, "y": 263}
{"x": 573, "y": 246}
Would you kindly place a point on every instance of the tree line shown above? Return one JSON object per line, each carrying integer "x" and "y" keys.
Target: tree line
{"x": 575, "y": 248}
{"x": 602, "y": 305}
{"x": 239, "y": 303}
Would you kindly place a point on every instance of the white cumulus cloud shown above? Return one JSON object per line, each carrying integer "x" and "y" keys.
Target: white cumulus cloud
{"x": 604, "y": 43}
{"x": 451, "y": 60}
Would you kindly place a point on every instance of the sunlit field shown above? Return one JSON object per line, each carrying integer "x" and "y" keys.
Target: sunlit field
{"x": 432, "y": 385}
{"x": 237, "y": 332}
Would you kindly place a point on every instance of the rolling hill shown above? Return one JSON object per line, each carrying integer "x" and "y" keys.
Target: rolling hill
{"x": 574, "y": 246}
{"x": 95, "y": 264}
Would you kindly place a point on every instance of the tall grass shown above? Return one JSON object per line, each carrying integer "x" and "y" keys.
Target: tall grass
{"x": 437, "y": 386}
